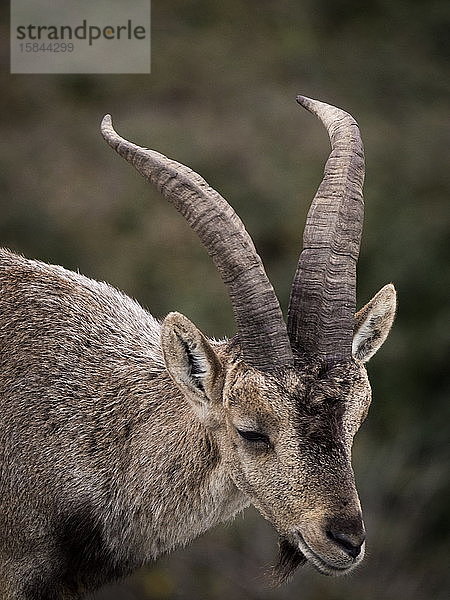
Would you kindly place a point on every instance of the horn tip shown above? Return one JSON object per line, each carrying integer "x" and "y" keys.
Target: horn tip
{"x": 106, "y": 124}
{"x": 108, "y": 132}
{"x": 304, "y": 101}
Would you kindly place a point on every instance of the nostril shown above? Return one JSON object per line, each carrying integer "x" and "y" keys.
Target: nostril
{"x": 349, "y": 544}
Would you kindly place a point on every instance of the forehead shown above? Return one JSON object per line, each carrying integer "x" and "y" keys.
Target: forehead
{"x": 288, "y": 393}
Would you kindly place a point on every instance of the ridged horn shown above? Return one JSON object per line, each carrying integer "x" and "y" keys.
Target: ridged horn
{"x": 323, "y": 295}
{"x": 261, "y": 328}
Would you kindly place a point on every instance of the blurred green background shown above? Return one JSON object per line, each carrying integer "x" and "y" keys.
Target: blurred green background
{"x": 220, "y": 98}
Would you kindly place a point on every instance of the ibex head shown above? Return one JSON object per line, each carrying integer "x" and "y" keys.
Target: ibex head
{"x": 283, "y": 403}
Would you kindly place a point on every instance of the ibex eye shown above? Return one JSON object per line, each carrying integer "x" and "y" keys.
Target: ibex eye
{"x": 332, "y": 400}
{"x": 253, "y": 436}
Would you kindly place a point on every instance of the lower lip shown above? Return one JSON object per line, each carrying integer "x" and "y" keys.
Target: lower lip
{"x": 320, "y": 559}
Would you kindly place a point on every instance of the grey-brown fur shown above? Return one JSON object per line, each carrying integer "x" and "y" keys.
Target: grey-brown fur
{"x": 96, "y": 448}
{"x": 122, "y": 438}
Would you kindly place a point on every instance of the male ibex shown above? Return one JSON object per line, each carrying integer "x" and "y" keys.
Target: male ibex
{"x": 122, "y": 439}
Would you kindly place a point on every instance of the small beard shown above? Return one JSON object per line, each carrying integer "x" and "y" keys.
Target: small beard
{"x": 289, "y": 559}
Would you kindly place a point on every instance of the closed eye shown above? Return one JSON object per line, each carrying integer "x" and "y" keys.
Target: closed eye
{"x": 254, "y": 436}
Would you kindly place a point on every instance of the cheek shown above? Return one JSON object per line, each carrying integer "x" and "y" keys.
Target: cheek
{"x": 254, "y": 467}
{"x": 246, "y": 472}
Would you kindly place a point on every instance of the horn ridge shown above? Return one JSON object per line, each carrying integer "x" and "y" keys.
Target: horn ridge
{"x": 261, "y": 328}
{"x": 323, "y": 294}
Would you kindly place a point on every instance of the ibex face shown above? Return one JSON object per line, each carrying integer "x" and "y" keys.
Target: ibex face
{"x": 286, "y": 435}
{"x": 282, "y": 402}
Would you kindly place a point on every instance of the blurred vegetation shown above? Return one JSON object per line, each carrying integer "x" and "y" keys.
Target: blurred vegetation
{"x": 221, "y": 99}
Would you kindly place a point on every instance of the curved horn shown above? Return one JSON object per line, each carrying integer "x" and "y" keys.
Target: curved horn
{"x": 262, "y": 331}
{"x": 323, "y": 295}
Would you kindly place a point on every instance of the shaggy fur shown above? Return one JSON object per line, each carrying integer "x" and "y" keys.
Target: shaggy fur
{"x": 118, "y": 445}
{"x": 288, "y": 561}
{"x": 122, "y": 439}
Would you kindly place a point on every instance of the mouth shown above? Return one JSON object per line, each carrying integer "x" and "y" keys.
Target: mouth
{"x": 295, "y": 552}
{"x": 320, "y": 563}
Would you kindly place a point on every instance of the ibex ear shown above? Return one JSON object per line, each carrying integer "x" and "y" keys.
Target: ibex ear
{"x": 191, "y": 362}
{"x": 373, "y": 323}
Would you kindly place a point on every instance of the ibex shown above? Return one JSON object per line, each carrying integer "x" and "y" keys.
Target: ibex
{"x": 122, "y": 439}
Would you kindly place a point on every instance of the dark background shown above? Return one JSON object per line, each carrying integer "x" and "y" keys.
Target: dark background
{"x": 220, "y": 98}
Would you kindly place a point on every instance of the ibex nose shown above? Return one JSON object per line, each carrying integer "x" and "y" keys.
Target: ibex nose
{"x": 349, "y": 535}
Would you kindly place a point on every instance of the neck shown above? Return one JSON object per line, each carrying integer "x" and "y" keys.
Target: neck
{"x": 177, "y": 485}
